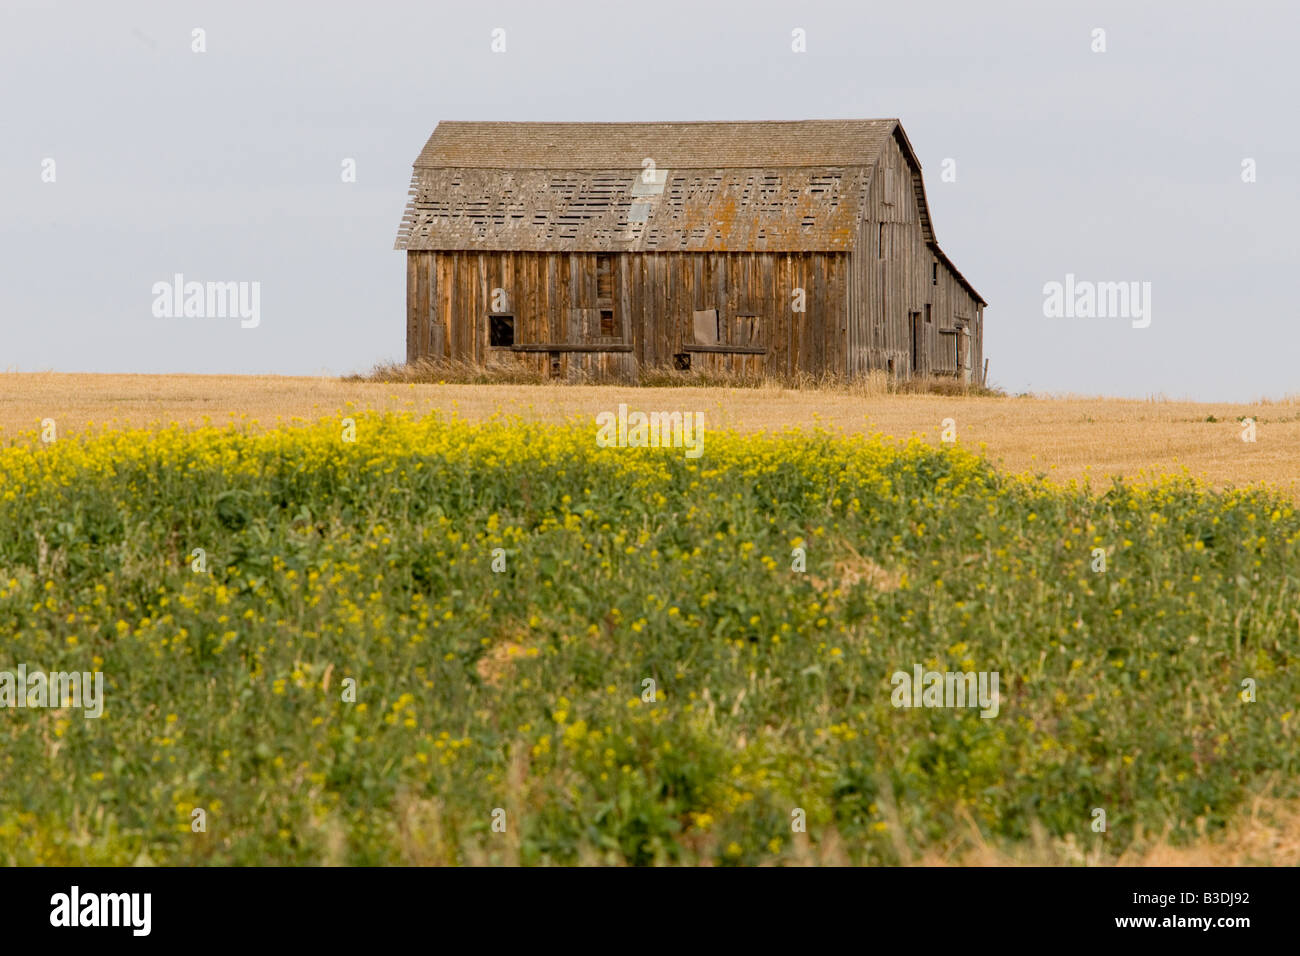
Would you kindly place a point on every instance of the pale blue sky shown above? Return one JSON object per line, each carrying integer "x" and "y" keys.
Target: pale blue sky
{"x": 225, "y": 165}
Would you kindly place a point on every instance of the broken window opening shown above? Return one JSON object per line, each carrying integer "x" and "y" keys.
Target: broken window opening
{"x": 501, "y": 331}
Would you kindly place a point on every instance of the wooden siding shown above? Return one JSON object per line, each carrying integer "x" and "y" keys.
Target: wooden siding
{"x": 555, "y": 300}
{"x": 894, "y": 272}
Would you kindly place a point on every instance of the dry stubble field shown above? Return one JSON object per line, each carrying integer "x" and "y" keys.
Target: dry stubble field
{"x": 1064, "y": 438}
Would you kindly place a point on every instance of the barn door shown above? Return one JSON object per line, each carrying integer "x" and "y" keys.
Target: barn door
{"x": 914, "y": 319}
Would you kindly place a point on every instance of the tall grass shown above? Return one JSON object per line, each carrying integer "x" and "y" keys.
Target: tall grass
{"x": 874, "y": 383}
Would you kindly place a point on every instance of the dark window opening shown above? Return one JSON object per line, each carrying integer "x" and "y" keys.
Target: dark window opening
{"x": 880, "y": 242}
{"x": 607, "y": 322}
{"x": 934, "y": 273}
{"x": 501, "y": 331}
{"x": 914, "y": 321}
{"x": 927, "y": 313}
{"x": 682, "y": 361}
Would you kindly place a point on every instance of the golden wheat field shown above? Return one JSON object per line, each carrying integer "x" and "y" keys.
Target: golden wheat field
{"x": 1063, "y": 437}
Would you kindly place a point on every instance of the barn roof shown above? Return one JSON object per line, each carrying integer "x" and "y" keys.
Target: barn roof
{"x": 670, "y": 145}
{"x": 795, "y": 186}
{"x": 684, "y": 210}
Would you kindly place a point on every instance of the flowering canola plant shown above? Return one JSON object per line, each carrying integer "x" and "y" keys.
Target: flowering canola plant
{"x": 356, "y": 651}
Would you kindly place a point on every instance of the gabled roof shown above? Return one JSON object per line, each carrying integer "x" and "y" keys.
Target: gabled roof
{"x": 796, "y": 186}
{"x": 689, "y": 187}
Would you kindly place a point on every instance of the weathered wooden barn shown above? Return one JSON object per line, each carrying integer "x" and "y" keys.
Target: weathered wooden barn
{"x": 598, "y": 249}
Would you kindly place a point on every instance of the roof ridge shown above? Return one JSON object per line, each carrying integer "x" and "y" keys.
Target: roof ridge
{"x": 854, "y": 119}
{"x": 681, "y": 144}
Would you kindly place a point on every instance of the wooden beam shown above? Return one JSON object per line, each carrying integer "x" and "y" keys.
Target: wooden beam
{"x": 727, "y": 349}
{"x": 569, "y": 347}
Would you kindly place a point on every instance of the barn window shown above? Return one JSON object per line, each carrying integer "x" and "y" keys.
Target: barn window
{"x": 934, "y": 272}
{"x": 880, "y": 241}
{"x": 707, "y": 327}
{"x": 607, "y": 322}
{"x": 501, "y": 331}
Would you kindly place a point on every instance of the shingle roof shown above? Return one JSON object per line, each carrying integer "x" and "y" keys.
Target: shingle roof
{"x": 670, "y": 145}
{"x": 685, "y": 210}
{"x": 795, "y": 186}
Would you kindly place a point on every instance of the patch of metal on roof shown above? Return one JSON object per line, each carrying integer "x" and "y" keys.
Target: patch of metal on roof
{"x": 638, "y": 212}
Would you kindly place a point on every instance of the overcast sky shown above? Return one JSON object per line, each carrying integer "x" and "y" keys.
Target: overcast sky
{"x": 1123, "y": 165}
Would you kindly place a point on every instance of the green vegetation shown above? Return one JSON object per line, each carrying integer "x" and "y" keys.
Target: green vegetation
{"x": 523, "y": 689}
